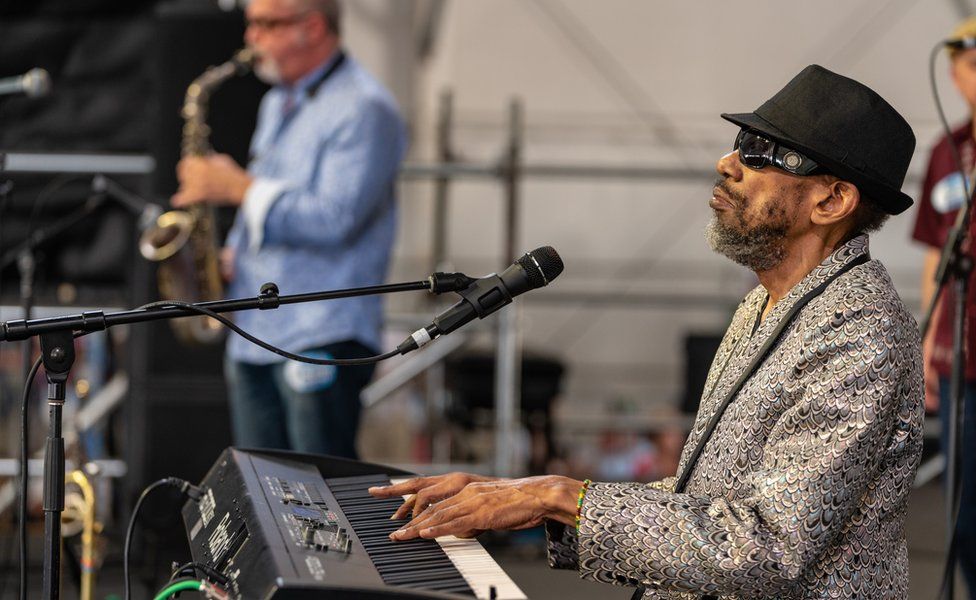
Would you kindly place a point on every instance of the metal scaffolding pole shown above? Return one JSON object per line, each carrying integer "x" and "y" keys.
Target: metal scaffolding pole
{"x": 508, "y": 356}
{"x": 441, "y": 184}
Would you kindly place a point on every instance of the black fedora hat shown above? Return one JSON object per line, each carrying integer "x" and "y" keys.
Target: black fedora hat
{"x": 843, "y": 125}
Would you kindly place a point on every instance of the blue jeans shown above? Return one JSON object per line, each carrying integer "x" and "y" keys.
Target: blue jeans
{"x": 966, "y": 524}
{"x": 298, "y": 406}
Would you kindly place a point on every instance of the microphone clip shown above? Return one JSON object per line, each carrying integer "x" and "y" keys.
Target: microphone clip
{"x": 441, "y": 283}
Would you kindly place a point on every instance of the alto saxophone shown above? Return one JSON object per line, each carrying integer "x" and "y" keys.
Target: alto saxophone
{"x": 184, "y": 242}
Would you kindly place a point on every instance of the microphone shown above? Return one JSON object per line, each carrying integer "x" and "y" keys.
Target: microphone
{"x": 34, "y": 83}
{"x": 486, "y": 295}
{"x": 961, "y": 43}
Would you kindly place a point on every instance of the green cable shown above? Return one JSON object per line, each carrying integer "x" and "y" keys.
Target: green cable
{"x": 178, "y": 587}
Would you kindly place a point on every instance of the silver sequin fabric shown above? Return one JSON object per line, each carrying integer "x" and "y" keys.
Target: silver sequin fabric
{"x": 802, "y": 489}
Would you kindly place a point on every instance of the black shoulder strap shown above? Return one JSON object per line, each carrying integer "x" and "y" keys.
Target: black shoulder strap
{"x": 313, "y": 89}
{"x": 757, "y": 361}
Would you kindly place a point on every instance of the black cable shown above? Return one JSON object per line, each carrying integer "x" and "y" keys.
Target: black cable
{"x": 948, "y": 570}
{"x": 22, "y": 526}
{"x": 22, "y": 491}
{"x": 259, "y": 342}
{"x": 185, "y": 487}
{"x": 953, "y": 147}
{"x": 205, "y": 569}
{"x": 6, "y": 195}
{"x": 174, "y": 581}
{"x": 957, "y": 159}
{"x": 42, "y": 197}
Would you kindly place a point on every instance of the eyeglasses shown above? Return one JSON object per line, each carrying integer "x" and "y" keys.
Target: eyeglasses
{"x": 272, "y": 23}
{"x": 756, "y": 152}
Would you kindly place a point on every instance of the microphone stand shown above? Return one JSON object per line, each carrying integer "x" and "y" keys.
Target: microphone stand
{"x": 103, "y": 189}
{"x": 25, "y": 258}
{"x": 956, "y": 263}
{"x": 58, "y": 355}
{"x": 59, "y": 362}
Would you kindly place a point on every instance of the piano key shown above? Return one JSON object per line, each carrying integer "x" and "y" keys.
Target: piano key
{"x": 477, "y": 567}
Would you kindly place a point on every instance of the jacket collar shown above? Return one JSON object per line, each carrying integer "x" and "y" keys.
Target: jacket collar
{"x": 838, "y": 259}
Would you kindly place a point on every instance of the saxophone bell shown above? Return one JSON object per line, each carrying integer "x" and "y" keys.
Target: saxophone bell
{"x": 164, "y": 238}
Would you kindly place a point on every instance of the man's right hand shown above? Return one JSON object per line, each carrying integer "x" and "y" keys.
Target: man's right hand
{"x": 426, "y": 491}
{"x": 215, "y": 178}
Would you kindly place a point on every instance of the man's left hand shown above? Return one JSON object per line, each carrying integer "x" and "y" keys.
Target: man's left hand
{"x": 216, "y": 179}
{"x": 503, "y": 504}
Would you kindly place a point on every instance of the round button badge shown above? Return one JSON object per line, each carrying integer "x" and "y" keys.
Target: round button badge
{"x": 792, "y": 161}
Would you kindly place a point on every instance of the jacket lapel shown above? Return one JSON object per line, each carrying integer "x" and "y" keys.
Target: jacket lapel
{"x": 740, "y": 345}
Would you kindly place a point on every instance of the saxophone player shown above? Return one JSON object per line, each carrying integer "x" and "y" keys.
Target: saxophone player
{"x": 316, "y": 210}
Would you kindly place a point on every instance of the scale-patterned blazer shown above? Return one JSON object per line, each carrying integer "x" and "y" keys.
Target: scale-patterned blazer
{"x": 801, "y": 490}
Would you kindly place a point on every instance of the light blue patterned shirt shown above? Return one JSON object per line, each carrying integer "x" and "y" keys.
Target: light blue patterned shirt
{"x": 321, "y": 213}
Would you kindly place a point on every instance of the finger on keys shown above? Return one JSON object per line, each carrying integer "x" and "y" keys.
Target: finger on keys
{"x": 446, "y": 511}
{"x": 403, "y": 488}
{"x": 427, "y": 497}
{"x": 411, "y": 530}
{"x": 460, "y": 527}
{"x": 408, "y": 532}
{"x": 450, "y": 522}
{"x": 404, "y": 511}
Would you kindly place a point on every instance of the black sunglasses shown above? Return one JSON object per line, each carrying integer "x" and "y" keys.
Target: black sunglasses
{"x": 756, "y": 152}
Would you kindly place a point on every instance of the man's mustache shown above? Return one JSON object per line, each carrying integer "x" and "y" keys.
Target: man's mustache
{"x": 739, "y": 199}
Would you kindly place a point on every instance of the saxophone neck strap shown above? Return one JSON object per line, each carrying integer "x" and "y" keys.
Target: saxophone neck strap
{"x": 313, "y": 89}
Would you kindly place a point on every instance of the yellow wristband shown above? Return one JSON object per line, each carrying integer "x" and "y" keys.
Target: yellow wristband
{"x": 579, "y": 502}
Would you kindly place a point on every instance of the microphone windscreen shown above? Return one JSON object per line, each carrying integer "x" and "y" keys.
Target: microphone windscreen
{"x": 541, "y": 266}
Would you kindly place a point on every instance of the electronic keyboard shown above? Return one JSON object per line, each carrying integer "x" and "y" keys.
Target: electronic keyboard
{"x": 285, "y": 525}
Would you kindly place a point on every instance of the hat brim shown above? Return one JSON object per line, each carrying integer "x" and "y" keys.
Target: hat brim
{"x": 890, "y": 199}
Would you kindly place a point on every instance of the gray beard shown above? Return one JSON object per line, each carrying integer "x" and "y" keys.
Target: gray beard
{"x": 268, "y": 71}
{"x": 760, "y": 248}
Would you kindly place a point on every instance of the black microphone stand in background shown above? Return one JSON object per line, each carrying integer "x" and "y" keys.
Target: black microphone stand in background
{"x": 955, "y": 263}
{"x": 24, "y": 254}
{"x": 102, "y": 189}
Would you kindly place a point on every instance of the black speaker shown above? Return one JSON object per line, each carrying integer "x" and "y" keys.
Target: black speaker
{"x": 471, "y": 379}
{"x": 700, "y": 349}
{"x": 98, "y": 102}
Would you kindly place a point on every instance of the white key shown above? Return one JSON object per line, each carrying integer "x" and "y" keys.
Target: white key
{"x": 477, "y": 567}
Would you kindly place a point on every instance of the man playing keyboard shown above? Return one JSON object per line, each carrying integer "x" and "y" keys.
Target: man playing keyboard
{"x": 794, "y": 480}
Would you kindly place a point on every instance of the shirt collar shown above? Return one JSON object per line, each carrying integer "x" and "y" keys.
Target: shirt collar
{"x": 300, "y": 88}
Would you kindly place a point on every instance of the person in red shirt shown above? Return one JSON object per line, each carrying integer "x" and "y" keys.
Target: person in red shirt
{"x": 943, "y": 193}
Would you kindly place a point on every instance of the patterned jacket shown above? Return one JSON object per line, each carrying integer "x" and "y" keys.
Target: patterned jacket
{"x": 802, "y": 489}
